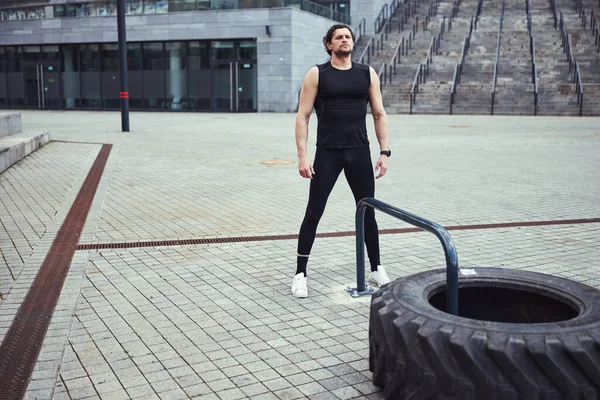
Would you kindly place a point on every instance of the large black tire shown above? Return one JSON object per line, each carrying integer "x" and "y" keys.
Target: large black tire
{"x": 418, "y": 351}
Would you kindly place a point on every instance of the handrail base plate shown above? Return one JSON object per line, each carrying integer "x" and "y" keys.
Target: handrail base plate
{"x": 355, "y": 293}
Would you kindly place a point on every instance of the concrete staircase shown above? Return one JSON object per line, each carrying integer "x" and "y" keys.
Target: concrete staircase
{"x": 396, "y": 88}
{"x": 514, "y": 85}
{"x": 514, "y": 94}
{"x": 591, "y": 99}
{"x": 15, "y": 144}
{"x": 434, "y": 95}
{"x": 474, "y": 92}
{"x": 584, "y": 51}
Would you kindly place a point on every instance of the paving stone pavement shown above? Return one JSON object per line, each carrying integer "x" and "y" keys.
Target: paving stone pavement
{"x": 217, "y": 321}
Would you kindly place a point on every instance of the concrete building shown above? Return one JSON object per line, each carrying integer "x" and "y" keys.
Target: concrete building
{"x": 188, "y": 55}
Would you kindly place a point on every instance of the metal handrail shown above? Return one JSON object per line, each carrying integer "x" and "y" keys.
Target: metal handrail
{"x": 553, "y": 4}
{"x": 368, "y": 50}
{"x": 478, "y": 13}
{"x": 383, "y": 71}
{"x": 579, "y": 91}
{"x": 497, "y": 58}
{"x": 534, "y": 75}
{"x": 458, "y": 68}
{"x": 396, "y": 58}
{"x": 423, "y": 69}
{"x": 453, "y": 87}
{"x": 573, "y": 66}
{"x": 415, "y": 86}
{"x": 382, "y": 16}
{"x": 439, "y": 231}
{"x": 361, "y": 30}
{"x": 375, "y": 44}
{"x": 532, "y": 52}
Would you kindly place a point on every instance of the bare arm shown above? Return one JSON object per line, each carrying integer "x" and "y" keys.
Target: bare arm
{"x": 305, "y": 106}
{"x": 381, "y": 122}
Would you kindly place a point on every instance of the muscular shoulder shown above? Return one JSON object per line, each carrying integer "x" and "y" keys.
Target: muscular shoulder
{"x": 323, "y": 67}
{"x": 363, "y": 67}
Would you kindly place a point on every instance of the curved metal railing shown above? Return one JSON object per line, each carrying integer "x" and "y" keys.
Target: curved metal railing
{"x": 438, "y": 230}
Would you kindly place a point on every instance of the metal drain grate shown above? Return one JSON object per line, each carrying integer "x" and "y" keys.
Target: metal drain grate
{"x": 21, "y": 346}
{"x": 239, "y": 239}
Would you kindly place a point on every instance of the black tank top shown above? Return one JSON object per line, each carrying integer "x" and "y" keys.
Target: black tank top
{"x": 341, "y": 106}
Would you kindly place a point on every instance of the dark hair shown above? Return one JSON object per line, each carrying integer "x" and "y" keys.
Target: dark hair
{"x": 329, "y": 35}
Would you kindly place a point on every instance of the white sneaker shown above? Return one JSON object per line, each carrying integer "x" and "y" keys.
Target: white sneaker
{"x": 379, "y": 277}
{"x": 299, "y": 288}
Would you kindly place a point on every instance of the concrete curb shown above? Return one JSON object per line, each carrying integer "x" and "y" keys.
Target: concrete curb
{"x": 10, "y": 124}
{"x": 13, "y": 149}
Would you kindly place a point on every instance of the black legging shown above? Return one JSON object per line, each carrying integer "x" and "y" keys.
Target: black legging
{"x": 357, "y": 166}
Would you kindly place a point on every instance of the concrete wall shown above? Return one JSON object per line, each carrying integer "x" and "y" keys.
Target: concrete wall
{"x": 303, "y": 48}
{"x": 368, "y": 9}
{"x": 10, "y": 123}
{"x": 283, "y": 58}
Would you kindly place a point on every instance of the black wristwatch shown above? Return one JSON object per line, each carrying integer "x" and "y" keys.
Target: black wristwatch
{"x": 386, "y": 153}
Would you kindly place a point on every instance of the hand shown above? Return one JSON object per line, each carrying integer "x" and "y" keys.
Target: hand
{"x": 382, "y": 166}
{"x": 305, "y": 168}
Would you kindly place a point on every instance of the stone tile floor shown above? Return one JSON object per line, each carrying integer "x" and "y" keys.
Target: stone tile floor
{"x": 217, "y": 321}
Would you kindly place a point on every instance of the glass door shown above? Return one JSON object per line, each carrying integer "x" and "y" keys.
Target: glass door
{"x": 32, "y": 86}
{"x": 246, "y": 86}
{"x": 234, "y": 87}
{"x": 42, "y": 85}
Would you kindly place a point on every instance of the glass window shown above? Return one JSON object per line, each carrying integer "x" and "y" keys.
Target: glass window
{"x": 50, "y": 54}
{"x": 176, "y": 76}
{"x": 247, "y": 49}
{"x": 3, "y": 88}
{"x": 199, "y": 75}
{"x": 155, "y": 6}
{"x": 59, "y": 11}
{"x": 153, "y": 57}
{"x": 70, "y": 77}
{"x": 134, "y": 7}
{"x": 89, "y": 67}
{"x": 107, "y": 9}
{"x": 32, "y": 54}
{"x": 69, "y": 10}
{"x": 2, "y": 60}
{"x": 80, "y": 10}
{"x": 14, "y": 76}
{"x": 110, "y": 76}
{"x": 223, "y": 50}
{"x": 134, "y": 75}
{"x": 14, "y": 59}
{"x": 183, "y": 5}
{"x": 110, "y": 57}
{"x": 91, "y": 10}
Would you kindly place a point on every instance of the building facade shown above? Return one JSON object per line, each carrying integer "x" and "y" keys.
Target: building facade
{"x": 182, "y": 55}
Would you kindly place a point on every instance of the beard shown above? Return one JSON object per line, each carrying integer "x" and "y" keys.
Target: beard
{"x": 345, "y": 52}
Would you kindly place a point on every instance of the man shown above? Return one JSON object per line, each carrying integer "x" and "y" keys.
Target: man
{"x": 339, "y": 91}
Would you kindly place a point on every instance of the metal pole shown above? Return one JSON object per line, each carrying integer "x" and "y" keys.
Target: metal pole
{"x": 124, "y": 95}
{"x": 360, "y": 247}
